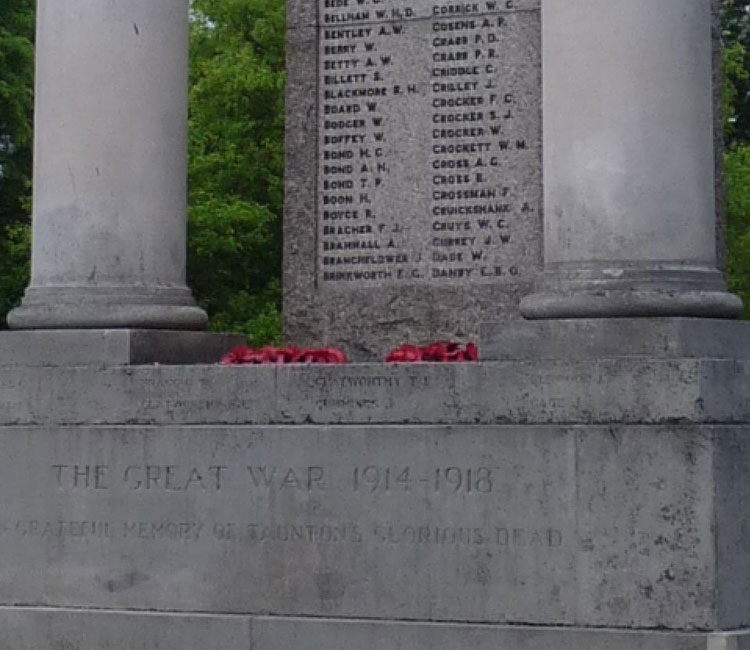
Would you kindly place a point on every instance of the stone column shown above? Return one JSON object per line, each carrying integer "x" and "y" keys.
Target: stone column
{"x": 630, "y": 221}
{"x": 110, "y": 168}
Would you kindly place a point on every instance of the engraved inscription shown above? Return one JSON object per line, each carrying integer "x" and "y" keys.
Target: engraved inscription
{"x": 388, "y": 533}
{"x": 140, "y": 477}
{"x": 455, "y": 479}
{"x": 365, "y": 482}
{"x": 429, "y": 141}
{"x": 214, "y": 511}
{"x": 268, "y": 477}
{"x": 467, "y": 523}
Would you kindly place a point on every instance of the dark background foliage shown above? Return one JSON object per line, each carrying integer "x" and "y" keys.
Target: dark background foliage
{"x": 736, "y": 112}
{"x": 236, "y": 164}
{"x": 16, "y": 113}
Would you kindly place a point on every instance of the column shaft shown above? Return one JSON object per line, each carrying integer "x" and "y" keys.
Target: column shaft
{"x": 110, "y": 167}
{"x": 630, "y": 225}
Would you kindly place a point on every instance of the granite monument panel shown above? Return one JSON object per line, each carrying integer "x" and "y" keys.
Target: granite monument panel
{"x": 587, "y": 526}
{"x": 422, "y": 211}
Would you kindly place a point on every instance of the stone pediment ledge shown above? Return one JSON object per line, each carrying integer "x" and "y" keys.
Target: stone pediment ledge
{"x": 676, "y": 385}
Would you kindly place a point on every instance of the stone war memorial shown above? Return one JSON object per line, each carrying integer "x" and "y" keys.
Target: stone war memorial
{"x": 584, "y": 486}
{"x": 415, "y": 139}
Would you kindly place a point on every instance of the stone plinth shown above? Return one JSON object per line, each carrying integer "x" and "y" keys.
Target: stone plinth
{"x": 50, "y": 629}
{"x": 615, "y": 338}
{"x": 594, "y": 526}
{"x": 120, "y": 347}
{"x": 544, "y": 502}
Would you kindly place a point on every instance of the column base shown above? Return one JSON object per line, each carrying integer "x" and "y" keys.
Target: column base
{"x": 618, "y": 291}
{"x": 108, "y": 307}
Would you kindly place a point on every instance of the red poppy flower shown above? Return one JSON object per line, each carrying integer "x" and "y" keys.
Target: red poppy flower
{"x": 439, "y": 352}
{"x": 244, "y": 355}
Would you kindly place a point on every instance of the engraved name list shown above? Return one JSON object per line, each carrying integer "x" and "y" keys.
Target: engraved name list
{"x": 429, "y": 138}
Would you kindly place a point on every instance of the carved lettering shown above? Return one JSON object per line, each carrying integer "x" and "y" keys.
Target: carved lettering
{"x": 427, "y": 120}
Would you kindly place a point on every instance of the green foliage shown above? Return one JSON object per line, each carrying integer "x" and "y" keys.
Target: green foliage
{"x": 735, "y": 73}
{"x": 16, "y": 107}
{"x": 15, "y": 254}
{"x": 735, "y": 19}
{"x": 737, "y": 170}
{"x": 736, "y": 125}
{"x": 236, "y": 164}
{"x": 233, "y": 263}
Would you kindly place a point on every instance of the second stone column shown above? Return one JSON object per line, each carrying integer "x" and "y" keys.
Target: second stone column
{"x": 630, "y": 225}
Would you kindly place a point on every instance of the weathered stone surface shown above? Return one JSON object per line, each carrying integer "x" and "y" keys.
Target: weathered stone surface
{"x": 120, "y": 347}
{"x": 59, "y": 629}
{"x": 630, "y": 224}
{"x": 671, "y": 218}
{"x": 573, "y": 488}
{"x": 369, "y": 320}
{"x": 720, "y": 188}
{"x": 337, "y": 635}
{"x": 733, "y": 526}
{"x": 409, "y": 105}
{"x": 64, "y": 629}
{"x": 596, "y": 526}
{"x": 600, "y": 492}
{"x": 654, "y": 338}
{"x": 634, "y": 391}
{"x": 110, "y": 167}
